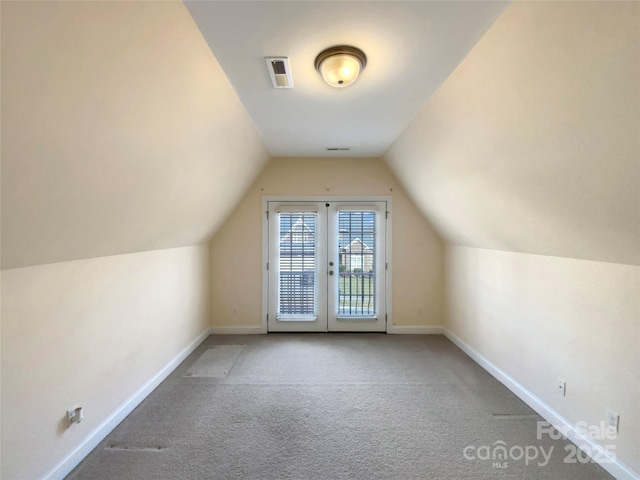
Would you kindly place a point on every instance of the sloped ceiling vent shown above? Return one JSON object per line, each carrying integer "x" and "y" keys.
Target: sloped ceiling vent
{"x": 279, "y": 72}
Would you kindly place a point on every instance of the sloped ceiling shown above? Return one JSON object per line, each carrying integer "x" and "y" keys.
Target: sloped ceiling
{"x": 120, "y": 132}
{"x": 533, "y": 143}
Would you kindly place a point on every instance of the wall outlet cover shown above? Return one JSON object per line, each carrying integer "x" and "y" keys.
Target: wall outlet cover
{"x": 561, "y": 387}
{"x": 74, "y": 415}
{"x": 613, "y": 420}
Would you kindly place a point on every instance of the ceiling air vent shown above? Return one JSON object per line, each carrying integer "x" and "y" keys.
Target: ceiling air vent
{"x": 279, "y": 72}
{"x": 338, "y": 149}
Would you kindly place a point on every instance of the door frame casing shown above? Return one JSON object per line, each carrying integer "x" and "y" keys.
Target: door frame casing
{"x": 326, "y": 198}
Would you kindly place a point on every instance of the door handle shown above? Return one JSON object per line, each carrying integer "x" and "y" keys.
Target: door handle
{"x": 330, "y": 272}
{"x": 331, "y": 264}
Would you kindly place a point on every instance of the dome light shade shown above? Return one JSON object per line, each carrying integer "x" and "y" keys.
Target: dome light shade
{"x": 340, "y": 66}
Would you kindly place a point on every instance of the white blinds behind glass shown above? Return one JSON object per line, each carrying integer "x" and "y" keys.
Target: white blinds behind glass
{"x": 298, "y": 266}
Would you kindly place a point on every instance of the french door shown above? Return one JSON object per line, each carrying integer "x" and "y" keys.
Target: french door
{"x": 327, "y": 266}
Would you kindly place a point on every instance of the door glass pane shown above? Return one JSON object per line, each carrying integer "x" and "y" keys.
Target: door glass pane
{"x": 357, "y": 271}
{"x": 297, "y": 264}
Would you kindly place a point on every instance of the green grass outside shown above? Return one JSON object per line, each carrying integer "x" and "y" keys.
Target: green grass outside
{"x": 356, "y": 285}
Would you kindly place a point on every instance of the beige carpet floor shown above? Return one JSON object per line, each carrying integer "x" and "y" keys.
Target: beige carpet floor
{"x": 330, "y": 407}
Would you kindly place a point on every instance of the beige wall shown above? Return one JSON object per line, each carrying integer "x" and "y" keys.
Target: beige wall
{"x": 540, "y": 318}
{"x": 531, "y": 145}
{"x": 89, "y": 333}
{"x": 120, "y": 132}
{"x": 417, "y": 250}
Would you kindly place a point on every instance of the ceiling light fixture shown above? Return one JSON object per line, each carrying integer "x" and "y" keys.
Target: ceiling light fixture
{"x": 340, "y": 66}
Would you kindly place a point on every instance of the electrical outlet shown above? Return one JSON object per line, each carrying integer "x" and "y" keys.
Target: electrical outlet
{"x": 561, "y": 387}
{"x": 613, "y": 420}
{"x": 74, "y": 416}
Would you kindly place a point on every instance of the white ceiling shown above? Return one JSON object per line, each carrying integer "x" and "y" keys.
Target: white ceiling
{"x": 412, "y": 47}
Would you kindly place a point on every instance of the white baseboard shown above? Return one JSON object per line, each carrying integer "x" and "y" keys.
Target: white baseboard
{"x": 96, "y": 436}
{"x": 616, "y": 468}
{"x": 394, "y": 329}
{"x": 237, "y": 330}
{"x": 415, "y": 329}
